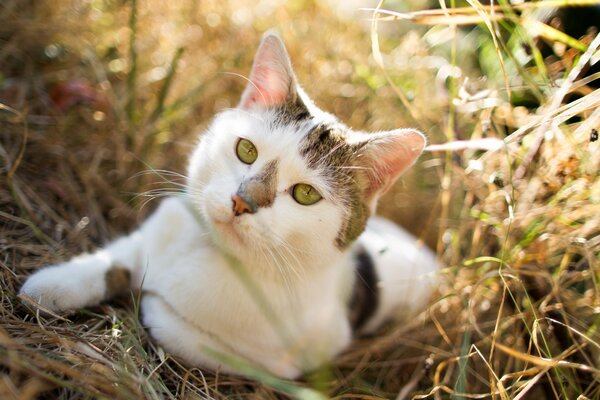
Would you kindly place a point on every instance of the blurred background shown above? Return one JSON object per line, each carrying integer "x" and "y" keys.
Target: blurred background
{"x": 72, "y": 67}
{"x": 102, "y": 100}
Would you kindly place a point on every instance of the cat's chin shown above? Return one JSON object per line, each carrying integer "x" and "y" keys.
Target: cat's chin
{"x": 222, "y": 224}
{"x": 227, "y": 233}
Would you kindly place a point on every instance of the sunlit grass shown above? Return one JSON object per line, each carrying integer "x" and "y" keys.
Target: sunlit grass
{"x": 512, "y": 209}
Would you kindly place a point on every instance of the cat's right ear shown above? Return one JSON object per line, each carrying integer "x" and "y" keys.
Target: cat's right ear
{"x": 272, "y": 81}
{"x": 383, "y": 157}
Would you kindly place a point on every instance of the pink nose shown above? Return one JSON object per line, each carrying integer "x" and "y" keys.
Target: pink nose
{"x": 241, "y": 206}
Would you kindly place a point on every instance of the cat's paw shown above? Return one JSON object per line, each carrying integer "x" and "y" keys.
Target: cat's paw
{"x": 66, "y": 287}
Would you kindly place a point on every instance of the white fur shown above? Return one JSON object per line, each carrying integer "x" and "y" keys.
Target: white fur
{"x": 196, "y": 301}
{"x": 407, "y": 271}
{"x": 270, "y": 288}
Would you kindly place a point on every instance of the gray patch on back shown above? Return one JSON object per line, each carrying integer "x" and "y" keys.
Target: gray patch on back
{"x": 365, "y": 293}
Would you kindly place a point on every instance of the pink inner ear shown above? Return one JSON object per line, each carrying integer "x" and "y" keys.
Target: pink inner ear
{"x": 271, "y": 78}
{"x": 265, "y": 95}
{"x": 389, "y": 155}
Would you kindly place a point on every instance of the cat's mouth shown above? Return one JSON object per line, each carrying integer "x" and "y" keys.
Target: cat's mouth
{"x": 228, "y": 230}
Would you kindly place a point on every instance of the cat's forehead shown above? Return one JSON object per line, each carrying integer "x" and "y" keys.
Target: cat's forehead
{"x": 320, "y": 140}
{"x": 326, "y": 144}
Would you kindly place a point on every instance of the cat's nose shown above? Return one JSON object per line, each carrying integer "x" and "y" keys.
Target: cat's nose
{"x": 241, "y": 205}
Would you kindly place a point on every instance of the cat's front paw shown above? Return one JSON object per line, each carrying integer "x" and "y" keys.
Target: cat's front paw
{"x": 53, "y": 290}
{"x": 66, "y": 287}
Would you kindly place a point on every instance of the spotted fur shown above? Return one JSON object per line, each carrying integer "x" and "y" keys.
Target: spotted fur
{"x": 117, "y": 280}
{"x": 259, "y": 190}
{"x": 293, "y": 110}
{"x": 365, "y": 294}
{"x": 326, "y": 148}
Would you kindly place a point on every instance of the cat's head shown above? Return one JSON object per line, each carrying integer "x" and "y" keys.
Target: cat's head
{"x": 276, "y": 177}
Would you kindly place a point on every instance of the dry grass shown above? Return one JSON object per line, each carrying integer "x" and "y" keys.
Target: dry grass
{"x": 518, "y": 313}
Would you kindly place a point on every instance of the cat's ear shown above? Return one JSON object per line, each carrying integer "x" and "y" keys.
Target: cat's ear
{"x": 272, "y": 81}
{"x": 383, "y": 157}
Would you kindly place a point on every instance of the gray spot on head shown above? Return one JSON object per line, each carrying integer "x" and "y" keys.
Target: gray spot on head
{"x": 293, "y": 109}
{"x": 260, "y": 189}
{"x": 325, "y": 145}
{"x": 325, "y": 148}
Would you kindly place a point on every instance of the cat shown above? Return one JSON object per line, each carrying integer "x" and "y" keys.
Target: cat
{"x": 269, "y": 257}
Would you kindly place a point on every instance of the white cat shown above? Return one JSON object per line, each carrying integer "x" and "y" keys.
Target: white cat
{"x": 264, "y": 258}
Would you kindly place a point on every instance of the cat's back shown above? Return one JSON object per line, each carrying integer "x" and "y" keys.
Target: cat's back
{"x": 404, "y": 270}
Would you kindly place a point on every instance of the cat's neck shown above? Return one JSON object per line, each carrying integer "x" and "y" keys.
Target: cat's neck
{"x": 299, "y": 288}
{"x": 282, "y": 263}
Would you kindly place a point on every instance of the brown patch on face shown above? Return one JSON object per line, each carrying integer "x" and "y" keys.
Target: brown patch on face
{"x": 325, "y": 148}
{"x": 354, "y": 223}
{"x": 259, "y": 191}
{"x": 117, "y": 280}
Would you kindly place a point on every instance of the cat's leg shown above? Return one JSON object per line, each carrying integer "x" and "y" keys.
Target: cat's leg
{"x": 196, "y": 345}
{"x": 85, "y": 280}
{"x": 90, "y": 279}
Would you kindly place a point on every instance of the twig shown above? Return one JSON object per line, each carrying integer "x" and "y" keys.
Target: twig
{"x": 466, "y": 15}
{"x": 131, "y": 77}
{"x": 414, "y": 114}
{"x": 556, "y": 102}
{"x": 160, "y": 102}
{"x": 20, "y": 118}
{"x": 164, "y": 90}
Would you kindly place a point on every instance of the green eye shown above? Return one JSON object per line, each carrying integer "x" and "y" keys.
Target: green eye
{"x": 305, "y": 194}
{"x": 246, "y": 151}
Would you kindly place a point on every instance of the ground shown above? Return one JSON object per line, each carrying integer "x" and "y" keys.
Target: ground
{"x": 100, "y": 104}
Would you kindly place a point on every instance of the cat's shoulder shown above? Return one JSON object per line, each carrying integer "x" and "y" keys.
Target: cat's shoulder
{"x": 175, "y": 207}
{"x": 382, "y": 235}
{"x": 174, "y": 217}
{"x": 395, "y": 251}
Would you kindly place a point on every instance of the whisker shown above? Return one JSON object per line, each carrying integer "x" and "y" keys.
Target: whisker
{"x": 249, "y": 81}
{"x": 159, "y": 172}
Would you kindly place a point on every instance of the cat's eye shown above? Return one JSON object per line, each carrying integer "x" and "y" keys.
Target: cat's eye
{"x": 246, "y": 151}
{"x": 305, "y": 194}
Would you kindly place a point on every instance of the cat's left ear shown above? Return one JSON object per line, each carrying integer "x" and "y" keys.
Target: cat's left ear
{"x": 383, "y": 157}
{"x": 272, "y": 80}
